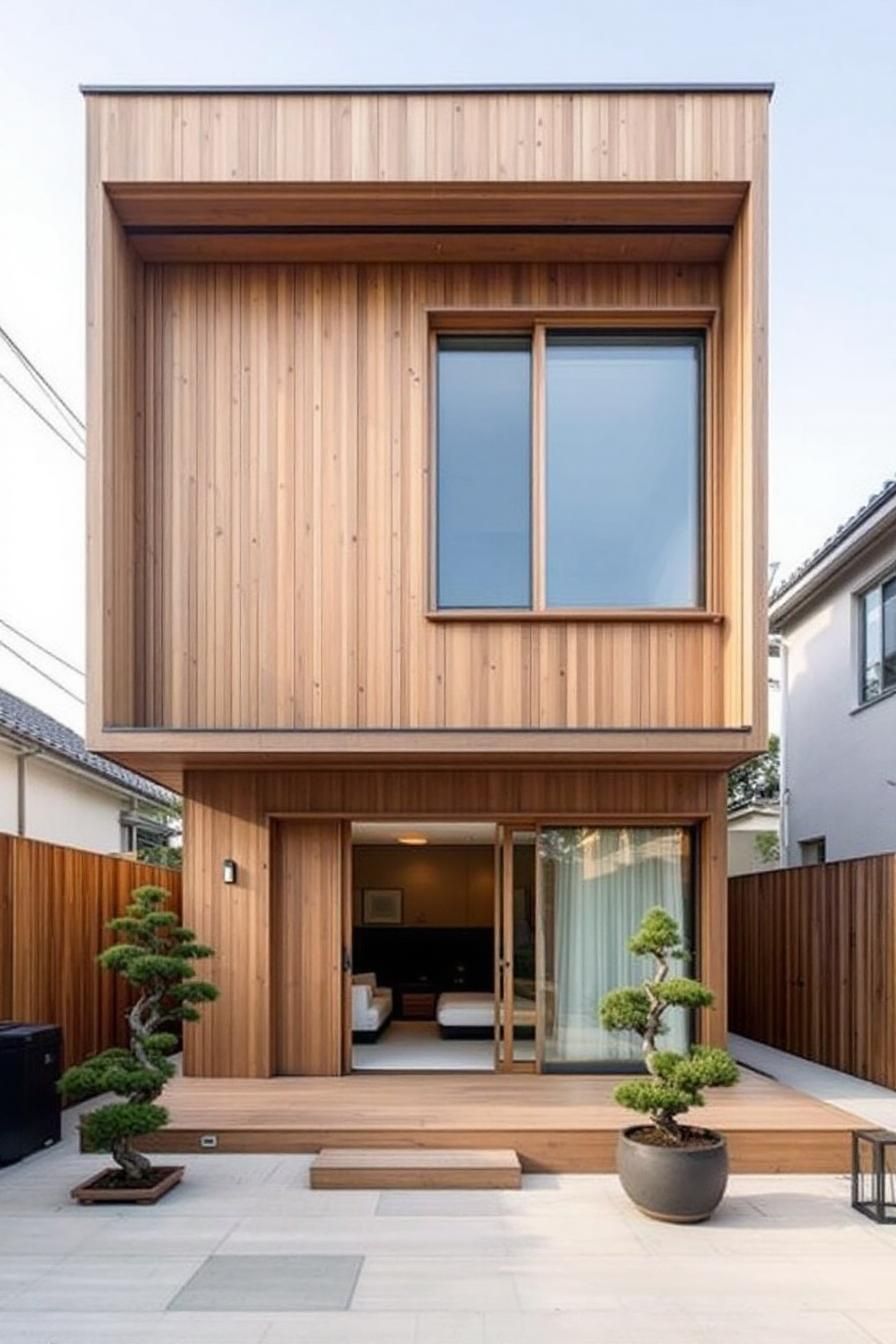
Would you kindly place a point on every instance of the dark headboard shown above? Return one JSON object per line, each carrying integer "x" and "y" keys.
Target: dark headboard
{"x": 406, "y": 955}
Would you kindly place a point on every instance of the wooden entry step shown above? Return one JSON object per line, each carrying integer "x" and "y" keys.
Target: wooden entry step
{"x": 416, "y": 1169}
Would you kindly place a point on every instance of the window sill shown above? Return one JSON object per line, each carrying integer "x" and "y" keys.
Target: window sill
{"x": 869, "y": 704}
{"x": 596, "y": 615}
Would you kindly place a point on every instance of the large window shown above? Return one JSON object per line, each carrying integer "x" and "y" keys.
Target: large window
{"x": 593, "y": 502}
{"x": 597, "y": 884}
{"x": 878, "y": 670}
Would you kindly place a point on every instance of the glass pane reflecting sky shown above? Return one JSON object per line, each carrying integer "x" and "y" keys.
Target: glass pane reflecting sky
{"x": 623, "y": 472}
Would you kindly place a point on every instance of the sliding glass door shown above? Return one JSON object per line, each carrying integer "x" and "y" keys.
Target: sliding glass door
{"x": 595, "y": 885}
{"x": 515, "y": 943}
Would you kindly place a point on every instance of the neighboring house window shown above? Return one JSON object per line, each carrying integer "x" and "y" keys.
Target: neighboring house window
{"x": 595, "y": 500}
{"x": 878, "y": 672}
{"x": 813, "y": 851}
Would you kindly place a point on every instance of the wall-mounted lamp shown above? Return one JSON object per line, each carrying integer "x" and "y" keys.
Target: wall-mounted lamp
{"x": 229, "y": 871}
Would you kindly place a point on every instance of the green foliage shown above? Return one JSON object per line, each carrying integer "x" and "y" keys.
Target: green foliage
{"x": 625, "y": 1008}
{"x": 759, "y": 780}
{"x": 658, "y": 936}
{"x": 156, "y": 959}
{"x": 109, "y": 1125}
{"x": 675, "y": 1081}
{"x": 683, "y": 993}
{"x": 768, "y": 846}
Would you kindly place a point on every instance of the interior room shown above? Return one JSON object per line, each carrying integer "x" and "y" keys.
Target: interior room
{"x": 423, "y": 945}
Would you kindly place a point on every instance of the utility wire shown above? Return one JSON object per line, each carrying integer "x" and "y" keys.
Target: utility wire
{"x": 39, "y": 670}
{"x": 49, "y": 424}
{"x": 49, "y": 652}
{"x": 61, "y": 403}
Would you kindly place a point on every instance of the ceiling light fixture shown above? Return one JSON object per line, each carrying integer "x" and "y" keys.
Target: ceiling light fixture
{"x": 413, "y": 839}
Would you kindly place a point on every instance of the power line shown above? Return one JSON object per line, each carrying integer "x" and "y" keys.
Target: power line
{"x": 39, "y": 670}
{"x": 43, "y": 382}
{"x": 49, "y": 652}
{"x": 49, "y": 424}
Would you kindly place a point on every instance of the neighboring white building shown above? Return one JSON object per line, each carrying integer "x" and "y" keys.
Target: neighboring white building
{"x": 836, "y": 619}
{"x": 53, "y": 788}
{"x": 753, "y": 842}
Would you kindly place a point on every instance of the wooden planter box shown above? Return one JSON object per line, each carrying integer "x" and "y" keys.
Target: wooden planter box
{"x": 93, "y": 1192}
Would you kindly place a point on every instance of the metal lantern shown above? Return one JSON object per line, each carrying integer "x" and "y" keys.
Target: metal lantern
{"x": 874, "y": 1174}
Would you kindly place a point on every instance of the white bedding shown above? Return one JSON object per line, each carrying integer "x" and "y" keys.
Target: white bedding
{"x": 477, "y": 1009}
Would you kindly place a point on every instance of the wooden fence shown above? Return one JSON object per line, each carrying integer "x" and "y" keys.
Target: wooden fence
{"x": 812, "y": 963}
{"x": 54, "y": 904}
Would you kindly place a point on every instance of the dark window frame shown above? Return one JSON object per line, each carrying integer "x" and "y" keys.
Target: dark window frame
{"x": 885, "y": 688}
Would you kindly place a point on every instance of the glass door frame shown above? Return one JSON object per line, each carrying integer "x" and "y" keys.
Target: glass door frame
{"x": 505, "y": 971}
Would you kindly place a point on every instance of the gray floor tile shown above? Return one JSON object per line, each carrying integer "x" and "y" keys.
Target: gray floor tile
{"x": 271, "y": 1283}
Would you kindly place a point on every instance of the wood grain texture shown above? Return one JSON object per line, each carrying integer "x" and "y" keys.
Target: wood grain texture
{"x": 812, "y": 963}
{"x": 282, "y": 517}
{"x": 415, "y": 1169}
{"x": 306, "y": 948}
{"x": 500, "y": 137}
{"x": 54, "y": 905}
{"x": 553, "y": 1123}
{"x": 228, "y": 814}
{"x": 223, "y": 369}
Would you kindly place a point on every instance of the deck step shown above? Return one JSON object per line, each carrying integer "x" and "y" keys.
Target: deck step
{"x": 415, "y": 1169}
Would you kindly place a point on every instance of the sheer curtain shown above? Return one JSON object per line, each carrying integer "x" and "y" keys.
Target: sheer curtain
{"x": 597, "y": 884}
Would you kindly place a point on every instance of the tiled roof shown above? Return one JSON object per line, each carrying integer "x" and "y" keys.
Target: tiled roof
{"x": 28, "y": 724}
{"x": 877, "y": 500}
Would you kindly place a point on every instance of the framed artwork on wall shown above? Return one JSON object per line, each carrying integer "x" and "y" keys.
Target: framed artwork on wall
{"x": 381, "y": 905}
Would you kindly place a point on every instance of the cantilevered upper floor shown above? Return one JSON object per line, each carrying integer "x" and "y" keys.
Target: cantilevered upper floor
{"x": 427, "y": 423}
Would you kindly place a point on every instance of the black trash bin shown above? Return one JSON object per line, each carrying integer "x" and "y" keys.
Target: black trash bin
{"x": 30, "y": 1109}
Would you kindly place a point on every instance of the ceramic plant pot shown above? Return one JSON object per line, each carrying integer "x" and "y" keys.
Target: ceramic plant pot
{"x": 675, "y": 1185}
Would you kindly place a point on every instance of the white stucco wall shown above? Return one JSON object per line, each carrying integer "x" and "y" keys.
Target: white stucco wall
{"x": 69, "y": 810}
{"x": 9, "y": 790}
{"x": 61, "y": 806}
{"x": 838, "y": 756}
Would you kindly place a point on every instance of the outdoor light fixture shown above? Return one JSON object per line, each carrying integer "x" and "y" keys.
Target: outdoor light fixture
{"x": 874, "y": 1174}
{"x": 412, "y": 840}
{"x": 229, "y": 873}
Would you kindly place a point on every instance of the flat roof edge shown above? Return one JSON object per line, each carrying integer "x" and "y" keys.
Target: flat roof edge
{"x": 409, "y": 89}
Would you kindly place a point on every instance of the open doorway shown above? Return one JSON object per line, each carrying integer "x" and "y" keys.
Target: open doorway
{"x": 423, "y": 945}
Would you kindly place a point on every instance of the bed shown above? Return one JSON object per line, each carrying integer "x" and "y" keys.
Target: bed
{"x": 470, "y": 1015}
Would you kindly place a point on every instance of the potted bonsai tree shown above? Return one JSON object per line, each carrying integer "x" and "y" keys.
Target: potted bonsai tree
{"x": 155, "y": 959}
{"x": 672, "y": 1171}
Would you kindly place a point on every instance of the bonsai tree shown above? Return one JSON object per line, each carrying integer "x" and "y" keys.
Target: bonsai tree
{"x": 675, "y": 1081}
{"x": 155, "y": 958}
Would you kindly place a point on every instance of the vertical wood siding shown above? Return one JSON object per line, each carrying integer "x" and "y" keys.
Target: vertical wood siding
{"x": 54, "y": 904}
{"x": 812, "y": 963}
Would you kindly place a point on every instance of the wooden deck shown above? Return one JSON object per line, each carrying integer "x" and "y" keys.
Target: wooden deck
{"x": 554, "y": 1123}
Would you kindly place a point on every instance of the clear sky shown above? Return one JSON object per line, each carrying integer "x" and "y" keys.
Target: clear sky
{"x": 833, "y": 200}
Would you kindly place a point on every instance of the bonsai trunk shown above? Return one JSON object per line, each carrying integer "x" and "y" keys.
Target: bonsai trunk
{"x": 135, "y": 1166}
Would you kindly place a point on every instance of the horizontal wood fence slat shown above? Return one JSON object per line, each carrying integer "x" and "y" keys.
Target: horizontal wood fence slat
{"x": 54, "y": 904}
{"x": 812, "y": 963}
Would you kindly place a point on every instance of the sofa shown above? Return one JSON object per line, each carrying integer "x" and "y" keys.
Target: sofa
{"x": 371, "y": 1008}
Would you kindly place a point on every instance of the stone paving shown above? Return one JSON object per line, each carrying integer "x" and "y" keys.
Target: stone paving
{"x": 244, "y": 1252}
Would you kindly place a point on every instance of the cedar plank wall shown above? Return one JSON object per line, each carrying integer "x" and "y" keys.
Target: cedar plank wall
{"x": 812, "y": 963}
{"x": 149, "y": 325}
{"x": 227, "y": 814}
{"x": 54, "y": 904}
{"x": 282, "y": 516}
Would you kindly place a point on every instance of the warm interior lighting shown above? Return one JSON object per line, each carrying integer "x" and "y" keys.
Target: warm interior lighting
{"x": 412, "y": 839}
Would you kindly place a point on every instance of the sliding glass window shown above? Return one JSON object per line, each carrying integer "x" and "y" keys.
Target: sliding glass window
{"x": 595, "y": 504}
{"x": 623, "y": 471}
{"x": 484, "y": 504}
{"x": 596, "y": 885}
